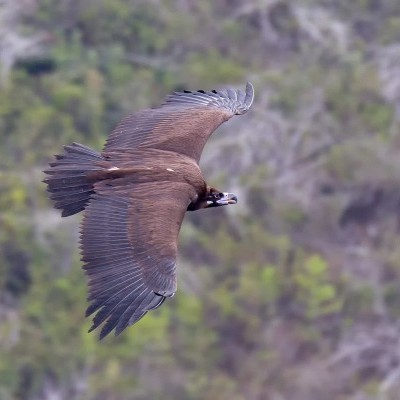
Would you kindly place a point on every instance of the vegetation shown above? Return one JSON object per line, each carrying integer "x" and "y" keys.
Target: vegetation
{"x": 292, "y": 294}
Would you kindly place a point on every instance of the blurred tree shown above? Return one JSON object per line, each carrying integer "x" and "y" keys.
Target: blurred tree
{"x": 294, "y": 293}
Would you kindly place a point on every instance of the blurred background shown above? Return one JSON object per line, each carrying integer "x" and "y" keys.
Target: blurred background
{"x": 293, "y": 294}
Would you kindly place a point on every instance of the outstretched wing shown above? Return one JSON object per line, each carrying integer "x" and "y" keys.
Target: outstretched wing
{"x": 183, "y": 123}
{"x": 129, "y": 247}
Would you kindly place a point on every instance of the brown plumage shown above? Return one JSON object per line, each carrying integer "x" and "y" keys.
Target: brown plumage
{"x": 135, "y": 194}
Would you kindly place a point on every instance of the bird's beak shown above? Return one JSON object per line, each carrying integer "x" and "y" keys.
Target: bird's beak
{"x": 228, "y": 198}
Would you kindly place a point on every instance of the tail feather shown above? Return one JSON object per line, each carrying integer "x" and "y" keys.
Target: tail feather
{"x": 61, "y": 195}
{"x": 67, "y": 181}
{"x": 61, "y": 192}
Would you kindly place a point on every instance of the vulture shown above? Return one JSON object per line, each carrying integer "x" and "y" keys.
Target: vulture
{"x": 134, "y": 195}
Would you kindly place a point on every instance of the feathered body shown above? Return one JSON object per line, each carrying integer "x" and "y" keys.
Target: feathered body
{"x": 134, "y": 195}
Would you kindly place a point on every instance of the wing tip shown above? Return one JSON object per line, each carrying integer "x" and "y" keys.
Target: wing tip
{"x": 237, "y": 101}
{"x": 248, "y": 100}
{"x": 120, "y": 324}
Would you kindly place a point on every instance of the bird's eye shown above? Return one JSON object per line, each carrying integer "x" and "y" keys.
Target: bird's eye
{"x": 220, "y": 195}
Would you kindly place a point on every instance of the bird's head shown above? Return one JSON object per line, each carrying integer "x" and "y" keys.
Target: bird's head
{"x": 214, "y": 198}
{"x": 217, "y": 199}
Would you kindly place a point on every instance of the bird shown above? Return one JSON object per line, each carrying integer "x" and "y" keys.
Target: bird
{"x": 134, "y": 195}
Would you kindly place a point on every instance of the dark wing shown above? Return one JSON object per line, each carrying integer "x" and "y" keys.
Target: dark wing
{"x": 183, "y": 123}
{"x": 129, "y": 247}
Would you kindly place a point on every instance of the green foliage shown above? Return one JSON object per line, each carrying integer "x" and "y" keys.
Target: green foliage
{"x": 268, "y": 293}
{"x": 199, "y": 64}
{"x": 315, "y": 293}
{"x": 356, "y": 93}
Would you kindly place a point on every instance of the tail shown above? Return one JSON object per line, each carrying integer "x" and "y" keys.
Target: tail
{"x": 68, "y": 184}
